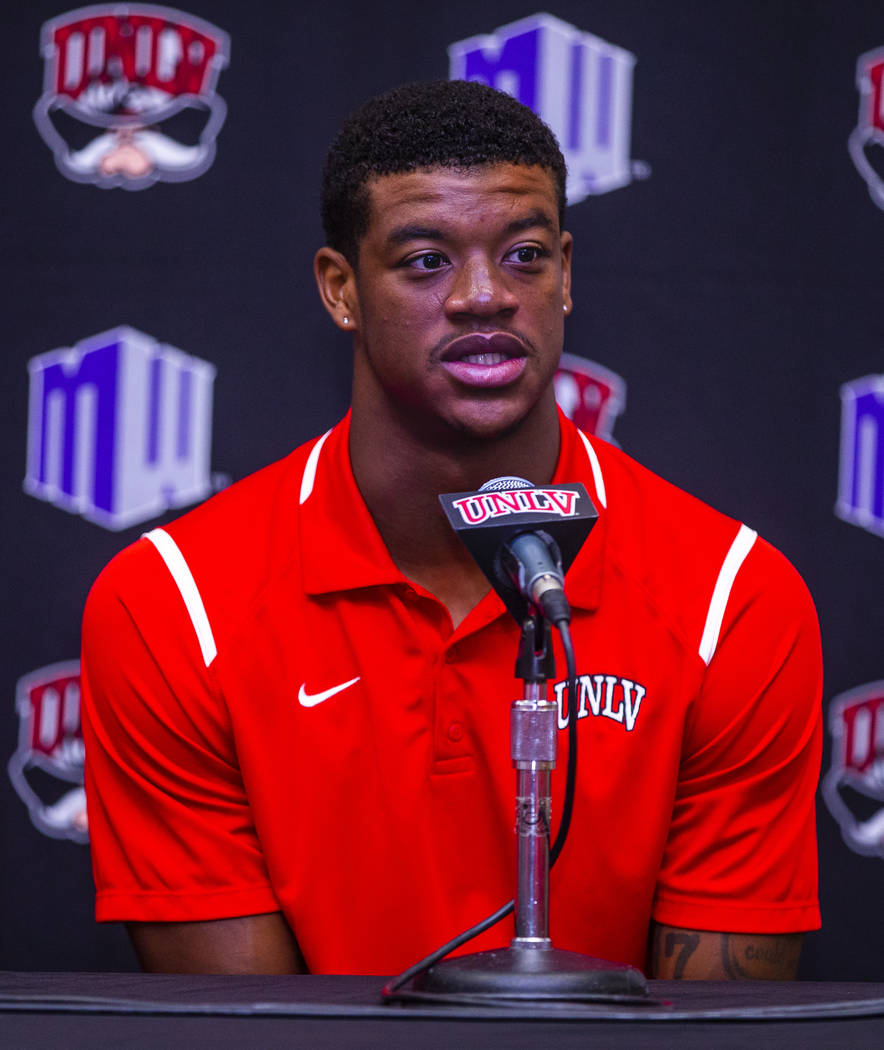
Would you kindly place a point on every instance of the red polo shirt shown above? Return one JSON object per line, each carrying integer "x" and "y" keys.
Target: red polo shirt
{"x": 276, "y": 718}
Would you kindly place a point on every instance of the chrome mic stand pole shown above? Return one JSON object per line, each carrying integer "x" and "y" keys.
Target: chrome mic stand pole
{"x": 531, "y": 968}
{"x": 533, "y": 751}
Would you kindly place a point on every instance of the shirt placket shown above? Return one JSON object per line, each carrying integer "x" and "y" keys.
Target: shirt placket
{"x": 453, "y": 750}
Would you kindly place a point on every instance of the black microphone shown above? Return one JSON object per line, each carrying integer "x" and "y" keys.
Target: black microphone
{"x": 532, "y": 561}
{"x": 524, "y": 538}
{"x": 533, "y": 567}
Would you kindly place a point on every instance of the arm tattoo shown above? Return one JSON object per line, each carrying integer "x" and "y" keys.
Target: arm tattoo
{"x": 768, "y": 957}
{"x": 729, "y": 960}
{"x": 688, "y": 942}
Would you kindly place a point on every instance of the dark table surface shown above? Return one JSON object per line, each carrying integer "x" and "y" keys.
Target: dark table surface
{"x": 137, "y": 1010}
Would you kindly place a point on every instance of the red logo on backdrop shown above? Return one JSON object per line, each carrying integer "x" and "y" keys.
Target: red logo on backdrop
{"x": 129, "y": 94}
{"x": 855, "y": 781}
{"x": 47, "y": 767}
{"x": 867, "y": 137}
{"x": 590, "y": 394}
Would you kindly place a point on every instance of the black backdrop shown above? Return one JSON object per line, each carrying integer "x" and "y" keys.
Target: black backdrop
{"x": 732, "y": 284}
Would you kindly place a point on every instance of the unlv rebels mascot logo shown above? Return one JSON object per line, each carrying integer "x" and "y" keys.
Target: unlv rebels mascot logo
{"x": 47, "y": 767}
{"x": 854, "y": 786}
{"x": 590, "y": 394}
{"x": 129, "y": 94}
{"x": 867, "y": 138}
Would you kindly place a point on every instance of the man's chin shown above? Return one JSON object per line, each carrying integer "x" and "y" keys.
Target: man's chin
{"x": 486, "y": 429}
{"x": 489, "y": 421}
{"x": 450, "y": 421}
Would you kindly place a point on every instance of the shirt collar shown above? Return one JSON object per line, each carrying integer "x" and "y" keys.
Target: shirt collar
{"x": 341, "y": 548}
{"x": 579, "y": 461}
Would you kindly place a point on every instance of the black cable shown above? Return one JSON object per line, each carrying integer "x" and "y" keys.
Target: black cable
{"x": 571, "y": 769}
{"x": 392, "y": 986}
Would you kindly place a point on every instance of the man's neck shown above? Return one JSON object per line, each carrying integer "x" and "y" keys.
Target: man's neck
{"x": 401, "y": 473}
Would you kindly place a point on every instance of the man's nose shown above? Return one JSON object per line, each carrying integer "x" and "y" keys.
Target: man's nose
{"x": 480, "y": 289}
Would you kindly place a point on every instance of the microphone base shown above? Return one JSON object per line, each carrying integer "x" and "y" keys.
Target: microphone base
{"x": 531, "y": 973}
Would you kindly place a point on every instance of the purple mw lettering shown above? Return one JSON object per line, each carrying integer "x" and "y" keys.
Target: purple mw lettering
{"x": 518, "y": 55}
{"x": 603, "y": 121}
{"x": 98, "y": 367}
{"x": 576, "y": 100}
{"x": 185, "y": 385}
{"x": 869, "y": 411}
{"x": 155, "y": 381}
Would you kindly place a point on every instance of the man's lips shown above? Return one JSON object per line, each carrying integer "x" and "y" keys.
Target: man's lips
{"x": 482, "y": 360}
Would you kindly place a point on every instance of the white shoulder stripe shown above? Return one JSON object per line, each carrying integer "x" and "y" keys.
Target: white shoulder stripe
{"x": 183, "y": 577}
{"x": 596, "y": 470}
{"x": 730, "y": 567}
{"x": 309, "y": 475}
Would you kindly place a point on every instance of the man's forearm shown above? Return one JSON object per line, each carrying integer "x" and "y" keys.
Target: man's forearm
{"x": 678, "y": 953}
{"x": 249, "y": 944}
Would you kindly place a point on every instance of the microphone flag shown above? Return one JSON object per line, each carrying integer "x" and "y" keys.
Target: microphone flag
{"x": 504, "y": 508}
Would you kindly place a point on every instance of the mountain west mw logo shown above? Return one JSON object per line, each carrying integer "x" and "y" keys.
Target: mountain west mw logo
{"x": 857, "y": 723}
{"x": 861, "y": 481}
{"x": 140, "y": 80}
{"x": 50, "y": 749}
{"x": 119, "y": 428}
{"x": 579, "y": 85}
{"x": 867, "y": 137}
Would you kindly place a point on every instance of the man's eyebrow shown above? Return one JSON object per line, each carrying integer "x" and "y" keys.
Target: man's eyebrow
{"x": 531, "y": 221}
{"x": 403, "y": 234}
{"x": 413, "y": 232}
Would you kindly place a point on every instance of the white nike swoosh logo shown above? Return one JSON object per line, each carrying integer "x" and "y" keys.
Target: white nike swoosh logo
{"x": 306, "y": 699}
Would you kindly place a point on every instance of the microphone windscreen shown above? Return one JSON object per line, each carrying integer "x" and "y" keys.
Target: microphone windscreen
{"x": 505, "y": 484}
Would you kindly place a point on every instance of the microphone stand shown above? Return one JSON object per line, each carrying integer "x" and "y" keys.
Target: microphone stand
{"x": 531, "y": 968}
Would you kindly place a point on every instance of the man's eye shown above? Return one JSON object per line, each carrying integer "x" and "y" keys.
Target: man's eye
{"x": 428, "y": 261}
{"x": 526, "y": 253}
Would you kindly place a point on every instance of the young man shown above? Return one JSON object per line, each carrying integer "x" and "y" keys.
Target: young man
{"x": 297, "y": 696}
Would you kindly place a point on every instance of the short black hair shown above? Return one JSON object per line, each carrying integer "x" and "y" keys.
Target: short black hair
{"x": 447, "y": 123}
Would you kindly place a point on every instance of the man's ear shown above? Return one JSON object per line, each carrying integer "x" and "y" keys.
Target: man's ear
{"x": 567, "y": 243}
{"x": 336, "y": 282}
